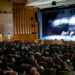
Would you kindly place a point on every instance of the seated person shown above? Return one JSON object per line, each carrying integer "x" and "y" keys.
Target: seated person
{"x": 64, "y": 67}
{"x": 51, "y": 65}
{"x": 7, "y": 70}
{"x": 34, "y": 71}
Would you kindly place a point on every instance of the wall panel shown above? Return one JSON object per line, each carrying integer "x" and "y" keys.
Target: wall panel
{"x": 24, "y": 37}
{"x": 24, "y": 21}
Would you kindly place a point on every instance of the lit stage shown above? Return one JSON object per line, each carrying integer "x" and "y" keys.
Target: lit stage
{"x": 57, "y": 37}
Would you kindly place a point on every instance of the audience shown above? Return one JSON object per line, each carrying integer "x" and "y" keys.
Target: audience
{"x": 26, "y": 58}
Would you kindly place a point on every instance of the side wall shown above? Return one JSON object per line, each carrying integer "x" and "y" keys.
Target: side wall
{"x": 25, "y": 23}
{"x": 6, "y": 19}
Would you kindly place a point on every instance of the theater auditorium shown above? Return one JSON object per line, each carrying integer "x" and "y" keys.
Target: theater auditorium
{"x": 37, "y": 37}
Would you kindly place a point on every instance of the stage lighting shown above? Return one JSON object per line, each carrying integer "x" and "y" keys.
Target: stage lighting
{"x": 64, "y": 21}
{"x": 71, "y": 33}
{"x": 56, "y": 22}
{"x": 72, "y": 20}
{"x": 60, "y": 21}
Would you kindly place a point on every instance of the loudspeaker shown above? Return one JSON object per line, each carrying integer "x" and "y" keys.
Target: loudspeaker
{"x": 0, "y": 11}
{"x": 33, "y": 32}
{"x": 54, "y": 3}
{"x": 36, "y": 16}
{"x": 5, "y": 12}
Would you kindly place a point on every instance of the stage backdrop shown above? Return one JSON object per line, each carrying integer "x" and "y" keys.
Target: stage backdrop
{"x": 58, "y": 24}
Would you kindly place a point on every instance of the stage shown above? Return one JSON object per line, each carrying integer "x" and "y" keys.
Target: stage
{"x": 59, "y": 38}
{"x": 54, "y": 42}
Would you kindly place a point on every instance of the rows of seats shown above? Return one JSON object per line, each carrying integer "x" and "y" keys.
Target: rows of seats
{"x": 28, "y": 58}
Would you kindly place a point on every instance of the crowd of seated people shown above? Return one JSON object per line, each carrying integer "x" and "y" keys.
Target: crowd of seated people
{"x": 26, "y": 58}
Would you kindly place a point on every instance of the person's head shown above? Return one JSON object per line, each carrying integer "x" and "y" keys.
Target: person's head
{"x": 35, "y": 62}
{"x": 33, "y": 70}
{"x": 73, "y": 56}
{"x": 43, "y": 58}
{"x": 24, "y": 73}
{"x": 67, "y": 54}
{"x": 68, "y": 60}
{"x": 64, "y": 65}
{"x": 32, "y": 58}
{"x": 12, "y": 60}
{"x": 51, "y": 64}
{"x": 57, "y": 57}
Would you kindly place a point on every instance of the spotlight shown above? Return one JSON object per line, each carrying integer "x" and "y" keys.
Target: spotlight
{"x": 54, "y": 3}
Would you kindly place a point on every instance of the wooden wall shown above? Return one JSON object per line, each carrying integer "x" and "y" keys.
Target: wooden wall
{"x": 25, "y": 37}
{"x": 25, "y": 23}
{"x": 55, "y": 42}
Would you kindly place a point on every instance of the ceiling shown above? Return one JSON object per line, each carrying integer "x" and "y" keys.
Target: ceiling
{"x": 6, "y": 5}
{"x": 36, "y": 3}
{"x": 13, "y": 1}
{"x": 48, "y": 3}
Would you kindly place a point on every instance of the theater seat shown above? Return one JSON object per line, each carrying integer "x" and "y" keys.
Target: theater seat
{"x": 13, "y": 73}
{"x": 64, "y": 73}
{"x": 49, "y": 72}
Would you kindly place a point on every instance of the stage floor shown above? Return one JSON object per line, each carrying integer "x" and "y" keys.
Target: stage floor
{"x": 55, "y": 37}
